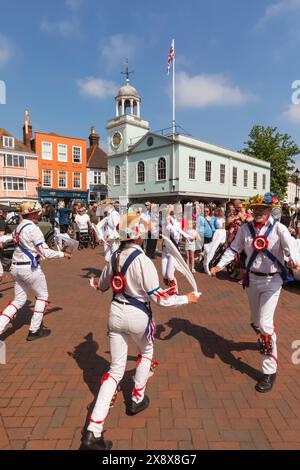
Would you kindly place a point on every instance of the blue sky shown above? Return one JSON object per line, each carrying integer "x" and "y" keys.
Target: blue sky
{"x": 235, "y": 64}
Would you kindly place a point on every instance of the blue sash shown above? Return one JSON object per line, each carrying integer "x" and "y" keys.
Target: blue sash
{"x": 283, "y": 271}
{"x": 145, "y": 307}
{"x": 33, "y": 259}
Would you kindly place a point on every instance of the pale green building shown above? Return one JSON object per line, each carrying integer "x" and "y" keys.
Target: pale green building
{"x": 168, "y": 168}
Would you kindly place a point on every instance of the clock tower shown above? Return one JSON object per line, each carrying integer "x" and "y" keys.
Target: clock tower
{"x": 127, "y": 127}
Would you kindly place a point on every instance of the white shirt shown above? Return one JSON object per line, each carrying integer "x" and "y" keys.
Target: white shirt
{"x": 280, "y": 245}
{"x": 113, "y": 221}
{"x": 190, "y": 243}
{"x": 141, "y": 280}
{"x": 82, "y": 221}
{"x": 32, "y": 238}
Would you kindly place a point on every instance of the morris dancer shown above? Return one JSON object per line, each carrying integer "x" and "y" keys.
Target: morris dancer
{"x": 174, "y": 231}
{"x": 134, "y": 280}
{"x": 265, "y": 242}
{"x": 26, "y": 270}
{"x": 109, "y": 226}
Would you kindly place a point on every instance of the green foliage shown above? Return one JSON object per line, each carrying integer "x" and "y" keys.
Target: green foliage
{"x": 266, "y": 143}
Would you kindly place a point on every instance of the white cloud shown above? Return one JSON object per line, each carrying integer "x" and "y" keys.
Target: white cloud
{"x": 115, "y": 49}
{"x": 97, "y": 87}
{"x": 61, "y": 27}
{"x": 202, "y": 91}
{"x": 292, "y": 114}
{"x": 73, "y": 4}
{"x": 67, "y": 26}
{"x": 6, "y": 49}
{"x": 278, "y": 9}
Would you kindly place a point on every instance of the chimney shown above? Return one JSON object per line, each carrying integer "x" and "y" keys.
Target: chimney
{"x": 27, "y": 131}
{"x": 94, "y": 138}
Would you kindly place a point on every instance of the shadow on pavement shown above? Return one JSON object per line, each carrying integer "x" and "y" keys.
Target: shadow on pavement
{"x": 23, "y": 317}
{"x": 93, "y": 367}
{"x": 293, "y": 287}
{"x": 211, "y": 344}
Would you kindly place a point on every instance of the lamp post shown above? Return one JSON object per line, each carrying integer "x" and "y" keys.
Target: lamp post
{"x": 296, "y": 174}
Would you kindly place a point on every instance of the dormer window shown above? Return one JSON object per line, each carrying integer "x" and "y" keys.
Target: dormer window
{"x": 8, "y": 142}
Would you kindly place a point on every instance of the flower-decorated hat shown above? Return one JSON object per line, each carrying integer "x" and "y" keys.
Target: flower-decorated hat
{"x": 131, "y": 227}
{"x": 28, "y": 207}
{"x": 268, "y": 200}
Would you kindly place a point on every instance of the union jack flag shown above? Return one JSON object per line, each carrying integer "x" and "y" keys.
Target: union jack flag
{"x": 171, "y": 57}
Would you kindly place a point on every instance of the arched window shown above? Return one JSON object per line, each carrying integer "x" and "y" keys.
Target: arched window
{"x": 135, "y": 108}
{"x": 141, "y": 172}
{"x": 117, "y": 175}
{"x": 127, "y": 108}
{"x": 120, "y": 107}
{"x": 161, "y": 169}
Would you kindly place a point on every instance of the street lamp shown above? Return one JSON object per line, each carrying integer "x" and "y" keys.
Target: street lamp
{"x": 297, "y": 174}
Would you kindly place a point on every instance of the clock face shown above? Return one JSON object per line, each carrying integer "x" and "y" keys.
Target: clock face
{"x": 116, "y": 140}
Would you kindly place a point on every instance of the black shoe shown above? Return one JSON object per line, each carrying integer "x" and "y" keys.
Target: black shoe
{"x": 266, "y": 383}
{"x": 90, "y": 442}
{"x": 42, "y": 332}
{"x": 135, "y": 408}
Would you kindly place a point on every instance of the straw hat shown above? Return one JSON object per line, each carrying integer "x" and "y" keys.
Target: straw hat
{"x": 268, "y": 200}
{"x": 131, "y": 227}
{"x": 28, "y": 207}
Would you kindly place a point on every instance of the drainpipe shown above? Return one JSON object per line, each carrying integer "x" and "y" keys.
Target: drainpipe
{"x": 229, "y": 181}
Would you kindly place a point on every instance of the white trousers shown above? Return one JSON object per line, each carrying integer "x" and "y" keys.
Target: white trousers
{"x": 263, "y": 295}
{"x": 27, "y": 279}
{"x": 210, "y": 249}
{"x": 167, "y": 266}
{"x": 124, "y": 321}
{"x": 110, "y": 249}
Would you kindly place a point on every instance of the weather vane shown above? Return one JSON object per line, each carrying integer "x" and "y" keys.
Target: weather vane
{"x": 127, "y": 73}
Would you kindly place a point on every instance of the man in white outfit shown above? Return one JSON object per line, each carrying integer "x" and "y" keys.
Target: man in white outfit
{"x": 266, "y": 242}
{"x": 134, "y": 280}
{"x": 27, "y": 272}
{"x": 111, "y": 230}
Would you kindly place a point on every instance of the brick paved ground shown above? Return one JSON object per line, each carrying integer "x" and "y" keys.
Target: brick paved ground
{"x": 202, "y": 394}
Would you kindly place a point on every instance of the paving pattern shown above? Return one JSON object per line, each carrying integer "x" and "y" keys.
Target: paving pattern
{"x": 202, "y": 394}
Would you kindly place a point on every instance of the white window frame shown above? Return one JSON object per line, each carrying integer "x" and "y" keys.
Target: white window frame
{"x": 255, "y": 180}
{"x": 77, "y": 147}
{"x": 51, "y": 146}
{"x": 191, "y": 168}
{"x": 137, "y": 173}
{"x": 234, "y": 176}
{"x": 11, "y": 181}
{"x": 103, "y": 177}
{"x": 117, "y": 184}
{"x": 264, "y": 181}
{"x": 78, "y": 173}
{"x": 222, "y": 166}
{"x": 66, "y": 154}
{"x": 97, "y": 177}
{"x": 5, "y": 142}
{"x": 14, "y": 156}
{"x": 206, "y": 171}
{"x": 51, "y": 174}
{"x": 246, "y": 178}
{"x": 66, "y": 173}
{"x": 165, "y": 179}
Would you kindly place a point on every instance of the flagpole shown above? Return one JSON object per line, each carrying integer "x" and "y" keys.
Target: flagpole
{"x": 173, "y": 121}
{"x": 173, "y": 87}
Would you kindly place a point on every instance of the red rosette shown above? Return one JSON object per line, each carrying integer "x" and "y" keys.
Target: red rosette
{"x": 118, "y": 283}
{"x": 260, "y": 243}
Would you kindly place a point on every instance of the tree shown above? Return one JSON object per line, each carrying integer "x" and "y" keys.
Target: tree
{"x": 266, "y": 143}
